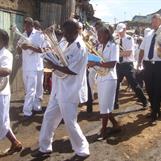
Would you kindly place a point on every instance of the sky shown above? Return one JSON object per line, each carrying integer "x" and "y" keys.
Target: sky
{"x": 113, "y": 11}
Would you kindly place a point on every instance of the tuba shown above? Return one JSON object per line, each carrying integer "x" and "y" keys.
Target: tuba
{"x": 56, "y": 55}
{"x": 157, "y": 46}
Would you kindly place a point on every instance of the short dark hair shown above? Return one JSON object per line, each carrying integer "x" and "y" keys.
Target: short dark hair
{"x": 37, "y": 24}
{"x": 29, "y": 20}
{"x": 98, "y": 23}
{"x": 4, "y": 37}
{"x": 71, "y": 26}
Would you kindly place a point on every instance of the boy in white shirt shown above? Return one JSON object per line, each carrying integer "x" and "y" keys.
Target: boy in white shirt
{"x": 6, "y": 59}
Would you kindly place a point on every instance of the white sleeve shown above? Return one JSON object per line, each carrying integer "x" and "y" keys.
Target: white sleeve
{"x": 114, "y": 56}
{"x": 142, "y": 46}
{"x": 130, "y": 44}
{"x": 77, "y": 60}
{"x": 6, "y": 61}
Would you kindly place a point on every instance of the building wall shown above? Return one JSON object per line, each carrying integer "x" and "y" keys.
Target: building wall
{"x": 13, "y": 12}
{"x": 27, "y": 7}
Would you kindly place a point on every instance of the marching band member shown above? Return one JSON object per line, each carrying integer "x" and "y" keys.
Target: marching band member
{"x": 152, "y": 66}
{"x": 6, "y": 59}
{"x": 66, "y": 95}
{"x": 32, "y": 65}
{"x": 125, "y": 66}
{"x": 106, "y": 85}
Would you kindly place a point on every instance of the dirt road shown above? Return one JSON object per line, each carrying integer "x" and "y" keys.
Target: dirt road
{"x": 138, "y": 141}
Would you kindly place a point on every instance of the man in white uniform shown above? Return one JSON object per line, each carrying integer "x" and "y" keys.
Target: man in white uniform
{"x": 125, "y": 67}
{"x": 6, "y": 59}
{"x": 32, "y": 65}
{"x": 66, "y": 95}
{"x": 152, "y": 67}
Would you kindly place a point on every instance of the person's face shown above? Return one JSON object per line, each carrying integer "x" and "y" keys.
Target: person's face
{"x": 122, "y": 34}
{"x": 70, "y": 36}
{"x": 102, "y": 37}
{"x": 156, "y": 22}
{"x": 28, "y": 27}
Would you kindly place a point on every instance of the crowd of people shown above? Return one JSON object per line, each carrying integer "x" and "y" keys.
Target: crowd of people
{"x": 116, "y": 53}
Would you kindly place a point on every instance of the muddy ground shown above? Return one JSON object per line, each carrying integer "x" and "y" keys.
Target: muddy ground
{"x": 138, "y": 141}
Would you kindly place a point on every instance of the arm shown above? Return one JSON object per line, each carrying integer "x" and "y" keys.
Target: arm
{"x": 19, "y": 50}
{"x": 125, "y": 53}
{"x": 5, "y": 72}
{"x": 65, "y": 70}
{"x": 141, "y": 55}
{"x": 102, "y": 64}
{"x": 30, "y": 47}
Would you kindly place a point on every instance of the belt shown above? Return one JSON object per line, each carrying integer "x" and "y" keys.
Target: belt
{"x": 152, "y": 62}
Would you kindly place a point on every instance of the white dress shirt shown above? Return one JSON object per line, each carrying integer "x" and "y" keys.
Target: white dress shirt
{"x": 33, "y": 61}
{"x": 6, "y": 59}
{"x": 128, "y": 44}
{"x": 110, "y": 53}
{"x": 73, "y": 88}
{"x": 145, "y": 45}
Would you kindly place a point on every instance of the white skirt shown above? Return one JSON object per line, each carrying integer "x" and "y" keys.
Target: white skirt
{"x": 106, "y": 95}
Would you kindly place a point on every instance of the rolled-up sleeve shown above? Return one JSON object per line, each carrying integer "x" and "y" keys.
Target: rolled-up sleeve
{"x": 7, "y": 62}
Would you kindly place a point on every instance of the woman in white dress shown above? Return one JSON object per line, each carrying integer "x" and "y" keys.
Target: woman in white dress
{"x": 106, "y": 84}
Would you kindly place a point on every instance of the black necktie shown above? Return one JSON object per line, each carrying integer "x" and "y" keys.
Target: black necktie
{"x": 151, "y": 50}
{"x": 121, "y": 57}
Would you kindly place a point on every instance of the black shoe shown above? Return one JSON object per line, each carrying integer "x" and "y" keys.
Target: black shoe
{"x": 27, "y": 118}
{"x": 145, "y": 104}
{"x": 39, "y": 154}
{"x": 77, "y": 158}
{"x": 34, "y": 112}
{"x": 101, "y": 135}
{"x": 116, "y": 106}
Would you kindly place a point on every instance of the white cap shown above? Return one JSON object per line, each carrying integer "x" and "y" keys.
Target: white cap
{"x": 120, "y": 27}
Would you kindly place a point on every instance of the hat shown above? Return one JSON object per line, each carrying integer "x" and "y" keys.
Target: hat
{"x": 120, "y": 27}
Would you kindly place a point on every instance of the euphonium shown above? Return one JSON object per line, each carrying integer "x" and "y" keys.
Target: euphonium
{"x": 56, "y": 56}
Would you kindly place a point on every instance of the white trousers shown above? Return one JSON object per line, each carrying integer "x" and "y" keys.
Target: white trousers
{"x": 33, "y": 82}
{"x": 106, "y": 95}
{"x": 4, "y": 115}
{"x": 53, "y": 115}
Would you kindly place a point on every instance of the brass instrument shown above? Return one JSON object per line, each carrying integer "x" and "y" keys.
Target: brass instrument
{"x": 23, "y": 38}
{"x": 157, "y": 46}
{"x": 56, "y": 56}
{"x": 100, "y": 70}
